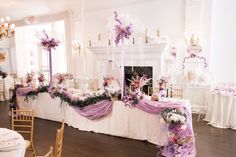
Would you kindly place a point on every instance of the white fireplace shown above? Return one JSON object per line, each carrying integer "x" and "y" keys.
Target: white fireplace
{"x": 152, "y": 54}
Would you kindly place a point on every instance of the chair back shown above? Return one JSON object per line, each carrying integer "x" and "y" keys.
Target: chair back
{"x": 49, "y": 154}
{"x": 175, "y": 92}
{"x": 59, "y": 139}
{"x": 1, "y": 85}
{"x": 23, "y": 122}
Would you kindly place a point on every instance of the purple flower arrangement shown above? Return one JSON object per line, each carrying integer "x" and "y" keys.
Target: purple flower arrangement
{"x": 49, "y": 43}
{"x": 29, "y": 78}
{"x": 60, "y": 77}
{"x": 107, "y": 81}
{"x": 179, "y": 137}
{"x": 132, "y": 98}
{"x": 121, "y": 31}
{"x": 41, "y": 78}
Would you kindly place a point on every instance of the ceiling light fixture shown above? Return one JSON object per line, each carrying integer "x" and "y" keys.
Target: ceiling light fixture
{"x": 7, "y": 30}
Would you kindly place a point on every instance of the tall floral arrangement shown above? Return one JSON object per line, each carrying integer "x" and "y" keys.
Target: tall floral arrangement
{"x": 121, "y": 31}
{"x": 48, "y": 43}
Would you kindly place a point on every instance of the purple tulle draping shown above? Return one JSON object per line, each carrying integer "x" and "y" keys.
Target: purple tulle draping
{"x": 95, "y": 111}
{"x": 24, "y": 91}
{"x": 156, "y": 107}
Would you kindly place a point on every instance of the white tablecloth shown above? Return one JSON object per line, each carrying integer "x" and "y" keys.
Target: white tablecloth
{"x": 123, "y": 121}
{"x": 221, "y": 111}
{"x": 15, "y": 139}
{"x": 8, "y": 83}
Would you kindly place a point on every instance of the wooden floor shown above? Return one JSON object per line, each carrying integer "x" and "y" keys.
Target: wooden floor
{"x": 210, "y": 141}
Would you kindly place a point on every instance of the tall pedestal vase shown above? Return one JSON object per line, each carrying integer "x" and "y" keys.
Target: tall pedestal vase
{"x": 122, "y": 68}
{"x": 50, "y": 68}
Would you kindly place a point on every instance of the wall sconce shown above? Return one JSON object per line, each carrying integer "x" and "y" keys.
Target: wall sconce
{"x": 77, "y": 45}
{"x": 192, "y": 38}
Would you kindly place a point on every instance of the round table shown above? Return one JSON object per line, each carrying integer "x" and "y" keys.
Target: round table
{"x": 221, "y": 111}
{"x": 12, "y": 144}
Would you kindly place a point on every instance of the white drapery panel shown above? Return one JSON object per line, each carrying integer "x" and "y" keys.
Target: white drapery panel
{"x": 29, "y": 54}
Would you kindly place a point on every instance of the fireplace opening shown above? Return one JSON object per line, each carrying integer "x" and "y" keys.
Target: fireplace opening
{"x": 131, "y": 71}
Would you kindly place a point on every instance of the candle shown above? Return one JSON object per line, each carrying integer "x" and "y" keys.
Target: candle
{"x": 158, "y": 32}
{"x": 89, "y": 38}
{"x": 109, "y": 38}
{"x": 99, "y": 37}
{"x": 146, "y": 37}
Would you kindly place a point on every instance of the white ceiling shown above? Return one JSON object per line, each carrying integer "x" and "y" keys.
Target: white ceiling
{"x": 19, "y": 9}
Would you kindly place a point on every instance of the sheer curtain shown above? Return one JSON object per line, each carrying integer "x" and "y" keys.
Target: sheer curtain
{"x": 29, "y": 54}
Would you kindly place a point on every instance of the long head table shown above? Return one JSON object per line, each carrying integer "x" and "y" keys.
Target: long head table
{"x": 123, "y": 121}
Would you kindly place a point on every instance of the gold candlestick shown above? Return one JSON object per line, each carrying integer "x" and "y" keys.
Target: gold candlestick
{"x": 89, "y": 38}
{"x": 99, "y": 37}
{"x": 158, "y": 32}
{"x": 146, "y": 39}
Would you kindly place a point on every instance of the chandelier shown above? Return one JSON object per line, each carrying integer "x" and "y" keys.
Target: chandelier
{"x": 7, "y": 30}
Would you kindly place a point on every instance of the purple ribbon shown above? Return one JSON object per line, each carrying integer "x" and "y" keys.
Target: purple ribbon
{"x": 95, "y": 111}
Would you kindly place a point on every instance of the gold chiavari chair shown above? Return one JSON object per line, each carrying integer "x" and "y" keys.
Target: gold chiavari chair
{"x": 2, "y": 91}
{"x": 59, "y": 139}
{"x": 23, "y": 122}
{"x": 175, "y": 92}
{"x": 49, "y": 154}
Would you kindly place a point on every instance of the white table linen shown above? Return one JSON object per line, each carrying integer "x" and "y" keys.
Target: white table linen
{"x": 123, "y": 121}
{"x": 12, "y": 144}
{"x": 8, "y": 83}
{"x": 221, "y": 111}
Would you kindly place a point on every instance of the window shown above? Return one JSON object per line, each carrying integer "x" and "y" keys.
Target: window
{"x": 29, "y": 54}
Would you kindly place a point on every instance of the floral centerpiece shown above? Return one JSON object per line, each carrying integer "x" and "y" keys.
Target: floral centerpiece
{"x": 178, "y": 137}
{"x": 162, "y": 86}
{"x": 29, "y": 78}
{"x": 107, "y": 81}
{"x": 138, "y": 82}
{"x": 133, "y": 97}
{"x": 61, "y": 77}
{"x": 41, "y": 78}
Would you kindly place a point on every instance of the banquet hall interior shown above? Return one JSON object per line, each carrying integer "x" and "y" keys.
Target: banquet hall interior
{"x": 117, "y": 78}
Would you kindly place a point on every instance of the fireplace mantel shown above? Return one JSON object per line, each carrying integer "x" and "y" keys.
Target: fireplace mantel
{"x": 152, "y": 54}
